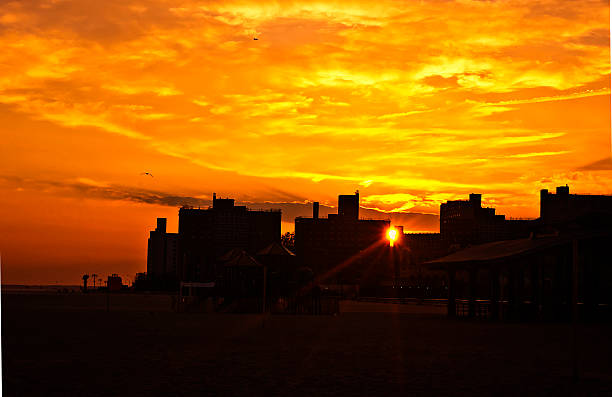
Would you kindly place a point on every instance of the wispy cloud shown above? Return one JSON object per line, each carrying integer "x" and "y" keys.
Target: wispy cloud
{"x": 604, "y": 164}
{"x": 537, "y": 154}
{"x": 292, "y": 206}
{"x": 565, "y": 97}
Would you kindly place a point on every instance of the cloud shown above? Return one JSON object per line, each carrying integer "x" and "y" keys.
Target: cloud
{"x": 595, "y": 37}
{"x": 537, "y": 154}
{"x": 414, "y": 99}
{"x": 604, "y": 164}
{"x": 441, "y": 81}
{"x": 88, "y": 188}
{"x": 564, "y": 97}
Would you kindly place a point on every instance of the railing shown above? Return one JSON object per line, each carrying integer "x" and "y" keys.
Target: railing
{"x": 481, "y": 308}
{"x": 307, "y": 305}
{"x": 418, "y": 301}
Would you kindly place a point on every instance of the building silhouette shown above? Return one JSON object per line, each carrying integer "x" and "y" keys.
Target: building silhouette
{"x": 162, "y": 256}
{"x": 348, "y": 206}
{"x": 463, "y": 223}
{"x": 324, "y": 243}
{"x": 563, "y": 207}
{"x": 425, "y": 246}
{"x": 343, "y": 249}
{"x": 114, "y": 282}
{"x": 206, "y": 234}
{"x": 562, "y": 270}
{"x": 466, "y": 222}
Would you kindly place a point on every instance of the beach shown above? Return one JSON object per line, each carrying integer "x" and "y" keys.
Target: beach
{"x": 68, "y": 344}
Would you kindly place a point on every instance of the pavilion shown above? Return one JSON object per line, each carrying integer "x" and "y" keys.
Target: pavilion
{"x": 546, "y": 277}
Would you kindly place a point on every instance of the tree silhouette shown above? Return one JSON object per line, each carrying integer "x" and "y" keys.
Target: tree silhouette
{"x": 85, "y": 277}
{"x": 94, "y": 279}
{"x": 288, "y": 240}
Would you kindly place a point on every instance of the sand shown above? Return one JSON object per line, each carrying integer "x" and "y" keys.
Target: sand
{"x": 68, "y": 345}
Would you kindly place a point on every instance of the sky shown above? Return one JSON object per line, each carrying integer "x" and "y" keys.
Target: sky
{"x": 411, "y": 103}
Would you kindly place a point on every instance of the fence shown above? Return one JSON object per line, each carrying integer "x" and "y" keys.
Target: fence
{"x": 313, "y": 305}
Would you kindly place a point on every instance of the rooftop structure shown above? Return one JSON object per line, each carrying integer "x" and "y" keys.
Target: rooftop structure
{"x": 348, "y": 205}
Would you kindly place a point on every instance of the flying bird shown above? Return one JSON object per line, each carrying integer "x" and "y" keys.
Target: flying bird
{"x": 147, "y": 173}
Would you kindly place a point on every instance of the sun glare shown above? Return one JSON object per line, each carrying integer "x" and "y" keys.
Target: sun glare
{"x": 391, "y": 235}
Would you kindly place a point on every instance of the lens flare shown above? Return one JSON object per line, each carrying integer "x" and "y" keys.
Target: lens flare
{"x": 391, "y": 235}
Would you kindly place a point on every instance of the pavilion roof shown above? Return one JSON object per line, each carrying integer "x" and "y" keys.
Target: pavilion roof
{"x": 276, "y": 249}
{"x": 239, "y": 258}
{"x": 497, "y": 251}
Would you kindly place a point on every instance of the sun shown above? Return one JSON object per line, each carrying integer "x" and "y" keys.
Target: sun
{"x": 391, "y": 235}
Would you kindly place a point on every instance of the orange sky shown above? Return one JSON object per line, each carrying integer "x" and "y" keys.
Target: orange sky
{"x": 413, "y": 104}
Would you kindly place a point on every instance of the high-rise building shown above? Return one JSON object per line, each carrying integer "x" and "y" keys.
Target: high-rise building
{"x": 348, "y": 205}
{"x": 325, "y": 243}
{"x": 563, "y": 206}
{"x": 206, "y": 234}
{"x": 468, "y": 222}
{"x": 162, "y": 253}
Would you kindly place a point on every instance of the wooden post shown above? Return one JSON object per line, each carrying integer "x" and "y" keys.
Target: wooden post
{"x": 589, "y": 285}
{"x": 520, "y": 291}
{"x": 511, "y": 293}
{"x": 575, "y": 260}
{"x": 537, "y": 286}
{"x": 263, "y": 305}
{"x": 180, "y": 298}
{"x": 472, "y": 291}
{"x": 495, "y": 293}
{"x": 531, "y": 270}
{"x": 451, "y": 305}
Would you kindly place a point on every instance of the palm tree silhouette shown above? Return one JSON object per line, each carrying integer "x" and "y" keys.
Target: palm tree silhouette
{"x": 85, "y": 277}
{"x": 94, "y": 275}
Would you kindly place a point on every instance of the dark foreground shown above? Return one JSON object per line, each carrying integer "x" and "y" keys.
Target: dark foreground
{"x": 68, "y": 345}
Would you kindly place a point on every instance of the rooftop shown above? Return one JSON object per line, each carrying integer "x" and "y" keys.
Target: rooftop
{"x": 497, "y": 250}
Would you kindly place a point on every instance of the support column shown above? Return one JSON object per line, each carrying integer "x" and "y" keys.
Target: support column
{"x": 566, "y": 286}
{"x": 520, "y": 291}
{"x": 588, "y": 267}
{"x": 535, "y": 287}
{"x": 452, "y": 293}
{"x": 574, "y": 307}
{"x": 472, "y": 291}
{"x": 495, "y": 293}
{"x": 512, "y": 298}
{"x": 575, "y": 274}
